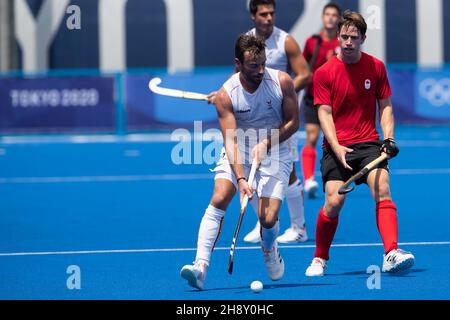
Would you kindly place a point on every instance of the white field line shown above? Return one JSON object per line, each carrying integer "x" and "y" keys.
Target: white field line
{"x": 436, "y": 141}
{"x": 176, "y": 177}
{"x": 124, "y": 178}
{"x": 348, "y": 245}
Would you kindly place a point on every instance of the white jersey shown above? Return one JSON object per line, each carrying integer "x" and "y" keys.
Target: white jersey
{"x": 275, "y": 49}
{"x": 261, "y": 112}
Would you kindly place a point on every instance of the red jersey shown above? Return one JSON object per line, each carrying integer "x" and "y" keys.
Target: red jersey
{"x": 328, "y": 49}
{"x": 352, "y": 91}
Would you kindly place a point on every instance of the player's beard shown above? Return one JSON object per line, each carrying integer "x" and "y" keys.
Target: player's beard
{"x": 257, "y": 79}
{"x": 253, "y": 80}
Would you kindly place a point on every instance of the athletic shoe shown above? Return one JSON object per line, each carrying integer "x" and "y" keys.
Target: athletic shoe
{"x": 274, "y": 263}
{"x": 397, "y": 260}
{"x": 254, "y": 236}
{"x": 195, "y": 274}
{"x": 311, "y": 187}
{"x": 316, "y": 267}
{"x": 293, "y": 235}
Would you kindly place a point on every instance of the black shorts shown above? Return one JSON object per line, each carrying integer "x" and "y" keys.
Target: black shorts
{"x": 363, "y": 153}
{"x": 310, "y": 112}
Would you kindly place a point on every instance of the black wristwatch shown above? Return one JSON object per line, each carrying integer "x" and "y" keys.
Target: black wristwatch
{"x": 240, "y": 179}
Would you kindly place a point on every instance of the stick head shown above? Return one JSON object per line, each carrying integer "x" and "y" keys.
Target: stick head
{"x": 344, "y": 190}
{"x": 154, "y": 83}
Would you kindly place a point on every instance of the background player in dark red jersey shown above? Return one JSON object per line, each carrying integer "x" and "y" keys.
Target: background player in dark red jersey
{"x": 346, "y": 91}
{"x": 318, "y": 49}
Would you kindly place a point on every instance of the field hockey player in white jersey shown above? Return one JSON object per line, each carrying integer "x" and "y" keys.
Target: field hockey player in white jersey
{"x": 258, "y": 111}
{"x": 282, "y": 53}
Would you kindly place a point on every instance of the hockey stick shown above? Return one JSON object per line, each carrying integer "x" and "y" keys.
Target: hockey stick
{"x": 154, "y": 87}
{"x": 345, "y": 187}
{"x": 251, "y": 177}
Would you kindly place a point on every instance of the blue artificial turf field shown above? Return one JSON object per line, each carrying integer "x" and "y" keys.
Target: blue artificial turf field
{"x": 123, "y": 213}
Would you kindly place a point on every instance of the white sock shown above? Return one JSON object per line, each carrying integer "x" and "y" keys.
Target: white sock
{"x": 268, "y": 236}
{"x": 294, "y": 199}
{"x": 208, "y": 233}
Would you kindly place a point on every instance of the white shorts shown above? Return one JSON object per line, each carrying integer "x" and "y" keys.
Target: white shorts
{"x": 266, "y": 185}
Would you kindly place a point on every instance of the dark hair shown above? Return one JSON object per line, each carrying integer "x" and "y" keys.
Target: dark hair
{"x": 253, "y": 44}
{"x": 354, "y": 19}
{"x": 253, "y": 5}
{"x": 334, "y": 6}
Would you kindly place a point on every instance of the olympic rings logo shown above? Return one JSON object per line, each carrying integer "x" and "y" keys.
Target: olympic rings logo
{"x": 437, "y": 92}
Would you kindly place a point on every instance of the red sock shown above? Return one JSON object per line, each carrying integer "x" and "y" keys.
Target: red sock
{"x": 325, "y": 230}
{"x": 308, "y": 161}
{"x": 387, "y": 224}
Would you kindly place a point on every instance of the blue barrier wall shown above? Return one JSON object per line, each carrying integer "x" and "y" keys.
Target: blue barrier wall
{"x": 123, "y": 103}
{"x": 57, "y": 104}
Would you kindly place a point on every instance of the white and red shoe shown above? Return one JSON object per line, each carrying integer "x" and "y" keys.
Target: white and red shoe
{"x": 274, "y": 263}
{"x": 195, "y": 274}
{"x": 316, "y": 268}
{"x": 397, "y": 260}
{"x": 293, "y": 235}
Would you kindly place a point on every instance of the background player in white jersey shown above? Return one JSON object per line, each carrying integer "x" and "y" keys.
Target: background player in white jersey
{"x": 262, "y": 100}
{"x": 283, "y": 53}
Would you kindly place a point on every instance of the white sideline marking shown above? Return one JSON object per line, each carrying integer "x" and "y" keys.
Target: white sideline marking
{"x": 423, "y": 143}
{"x": 420, "y": 171}
{"x": 127, "y": 178}
{"x": 9, "y": 254}
{"x": 83, "y": 139}
{"x": 438, "y": 141}
{"x": 163, "y": 177}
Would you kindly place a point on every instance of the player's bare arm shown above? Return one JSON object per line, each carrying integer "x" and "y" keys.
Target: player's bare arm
{"x": 386, "y": 118}
{"x": 386, "y": 115}
{"x": 329, "y": 130}
{"x": 228, "y": 127}
{"x": 298, "y": 64}
{"x": 290, "y": 107}
{"x": 212, "y": 97}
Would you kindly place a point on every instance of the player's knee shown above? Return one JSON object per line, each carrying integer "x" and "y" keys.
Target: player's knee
{"x": 312, "y": 135}
{"x": 333, "y": 206}
{"x": 384, "y": 188}
{"x": 269, "y": 219}
{"x": 383, "y": 192}
{"x": 220, "y": 200}
{"x": 312, "y": 139}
